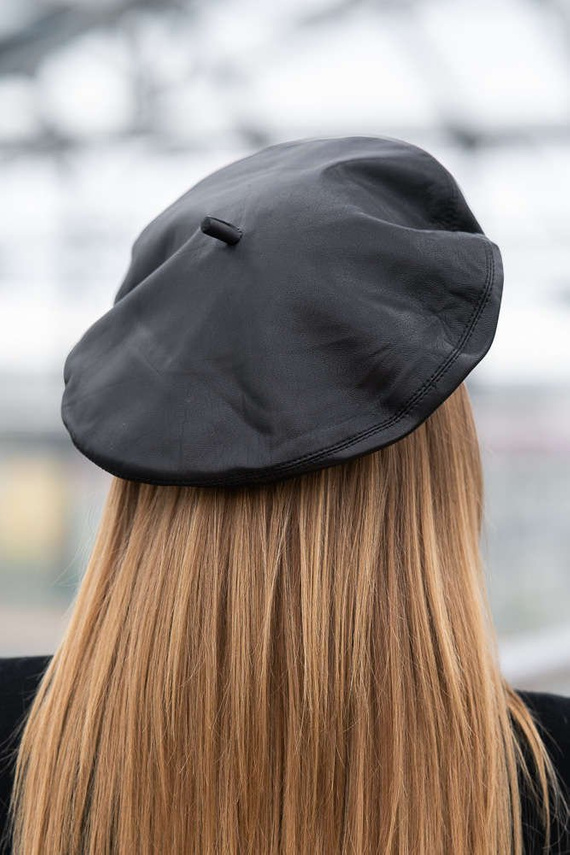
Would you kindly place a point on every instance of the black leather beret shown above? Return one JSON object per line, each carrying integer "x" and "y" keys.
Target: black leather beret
{"x": 300, "y": 307}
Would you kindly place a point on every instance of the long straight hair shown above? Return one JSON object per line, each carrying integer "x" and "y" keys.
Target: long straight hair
{"x": 308, "y": 666}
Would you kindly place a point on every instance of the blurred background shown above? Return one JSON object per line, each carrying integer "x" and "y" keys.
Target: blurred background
{"x": 111, "y": 109}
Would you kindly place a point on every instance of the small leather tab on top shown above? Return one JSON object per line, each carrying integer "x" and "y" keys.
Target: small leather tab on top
{"x": 221, "y": 230}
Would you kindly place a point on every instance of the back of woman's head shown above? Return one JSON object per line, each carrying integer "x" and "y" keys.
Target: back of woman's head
{"x": 304, "y": 666}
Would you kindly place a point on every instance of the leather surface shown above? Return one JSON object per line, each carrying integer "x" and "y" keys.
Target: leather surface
{"x": 361, "y": 294}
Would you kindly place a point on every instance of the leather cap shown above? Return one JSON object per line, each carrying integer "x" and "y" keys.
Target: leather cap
{"x": 300, "y": 307}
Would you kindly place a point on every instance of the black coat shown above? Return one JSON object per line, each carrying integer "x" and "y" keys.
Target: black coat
{"x": 19, "y": 677}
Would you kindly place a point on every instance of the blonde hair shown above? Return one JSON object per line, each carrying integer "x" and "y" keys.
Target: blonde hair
{"x": 308, "y": 666}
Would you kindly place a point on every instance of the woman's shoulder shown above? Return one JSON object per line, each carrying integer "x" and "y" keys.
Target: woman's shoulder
{"x": 19, "y": 679}
{"x": 551, "y": 713}
{"x": 15, "y": 668}
{"x": 552, "y": 707}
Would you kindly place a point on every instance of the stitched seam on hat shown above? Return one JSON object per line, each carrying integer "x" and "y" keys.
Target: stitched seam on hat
{"x": 416, "y": 397}
{"x": 419, "y": 394}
